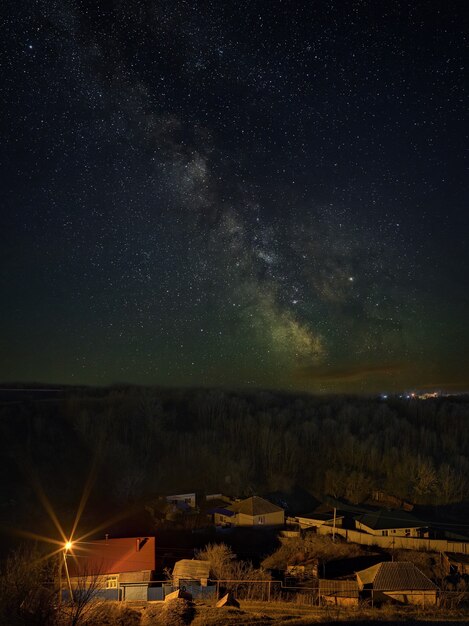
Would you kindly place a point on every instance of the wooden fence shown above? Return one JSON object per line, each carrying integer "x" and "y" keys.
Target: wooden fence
{"x": 394, "y": 542}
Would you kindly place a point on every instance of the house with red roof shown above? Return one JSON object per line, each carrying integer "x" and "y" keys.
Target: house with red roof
{"x": 123, "y": 566}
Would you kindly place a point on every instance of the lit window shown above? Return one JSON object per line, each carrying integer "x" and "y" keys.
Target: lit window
{"x": 111, "y": 582}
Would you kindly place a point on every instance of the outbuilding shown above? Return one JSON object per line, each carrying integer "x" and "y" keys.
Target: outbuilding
{"x": 397, "y": 581}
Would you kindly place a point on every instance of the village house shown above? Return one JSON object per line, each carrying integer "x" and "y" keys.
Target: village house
{"x": 397, "y": 581}
{"x": 183, "y": 501}
{"x": 253, "y": 511}
{"x": 119, "y": 568}
{"x": 389, "y": 523}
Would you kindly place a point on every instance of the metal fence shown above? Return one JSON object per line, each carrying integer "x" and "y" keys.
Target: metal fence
{"x": 323, "y": 593}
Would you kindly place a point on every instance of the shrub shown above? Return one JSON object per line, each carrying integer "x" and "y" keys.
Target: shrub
{"x": 177, "y": 612}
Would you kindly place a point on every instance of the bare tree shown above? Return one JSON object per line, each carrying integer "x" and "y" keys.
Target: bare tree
{"x": 80, "y": 607}
{"x": 27, "y": 592}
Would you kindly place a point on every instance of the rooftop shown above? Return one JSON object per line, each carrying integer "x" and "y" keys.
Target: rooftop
{"x": 112, "y": 556}
{"x": 385, "y": 519}
{"x": 191, "y": 569}
{"x": 395, "y": 576}
{"x": 254, "y": 505}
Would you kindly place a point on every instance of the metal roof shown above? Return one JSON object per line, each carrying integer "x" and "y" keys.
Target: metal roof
{"x": 395, "y": 576}
{"x": 385, "y": 519}
{"x": 112, "y": 556}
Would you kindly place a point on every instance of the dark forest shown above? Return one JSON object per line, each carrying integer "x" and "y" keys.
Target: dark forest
{"x": 137, "y": 442}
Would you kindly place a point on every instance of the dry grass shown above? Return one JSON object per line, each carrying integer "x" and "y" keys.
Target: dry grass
{"x": 180, "y": 612}
{"x": 228, "y": 616}
{"x": 112, "y": 614}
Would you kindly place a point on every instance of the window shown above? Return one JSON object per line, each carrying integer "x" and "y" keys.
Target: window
{"x": 112, "y": 582}
{"x": 261, "y": 519}
{"x": 385, "y": 533}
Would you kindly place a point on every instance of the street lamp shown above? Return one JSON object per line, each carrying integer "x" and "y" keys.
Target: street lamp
{"x": 67, "y": 547}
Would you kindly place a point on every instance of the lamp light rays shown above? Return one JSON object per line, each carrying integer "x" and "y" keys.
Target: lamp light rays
{"x": 85, "y": 494}
{"x": 68, "y": 544}
{"x": 27, "y": 468}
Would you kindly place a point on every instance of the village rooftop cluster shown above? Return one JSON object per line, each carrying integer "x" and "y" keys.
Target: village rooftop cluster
{"x": 142, "y": 568}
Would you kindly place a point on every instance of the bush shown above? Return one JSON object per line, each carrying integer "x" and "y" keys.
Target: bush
{"x": 311, "y": 546}
{"x": 177, "y": 612}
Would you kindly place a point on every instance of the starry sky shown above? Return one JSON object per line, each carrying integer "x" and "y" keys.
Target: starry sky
{"x": 236, "y": 193}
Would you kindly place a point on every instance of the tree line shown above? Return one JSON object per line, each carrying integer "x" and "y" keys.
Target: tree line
{"x": 144, "y": 441}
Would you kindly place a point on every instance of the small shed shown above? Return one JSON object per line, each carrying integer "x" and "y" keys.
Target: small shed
{"x": 191, "y": 571}
{"x": 399, "y": 581}
{"x": 338, "y": 592}
{"x": 456, "y": 563}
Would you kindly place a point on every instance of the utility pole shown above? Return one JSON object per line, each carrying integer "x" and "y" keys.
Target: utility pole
{"x": 60, "y": 578}
{"x": 67, "y": 574}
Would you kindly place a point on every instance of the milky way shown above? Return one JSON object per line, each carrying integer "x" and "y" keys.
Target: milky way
{"x": 265, "y": 194}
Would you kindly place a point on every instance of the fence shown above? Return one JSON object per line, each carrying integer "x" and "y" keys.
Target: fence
{"x": 323, "y": 593}
{"x": 394, "y": 542}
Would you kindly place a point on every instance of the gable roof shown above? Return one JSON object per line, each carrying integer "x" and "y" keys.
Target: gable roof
{"x": 395, "y": 576}
{"x": 191, "y": 569}
{"x": 385, "y": 519}
{"x": 255, "y": 505}
{"x": 112, "y": 556}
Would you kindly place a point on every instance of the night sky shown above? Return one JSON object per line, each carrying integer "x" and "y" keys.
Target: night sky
{"x": 239, "y": 193}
